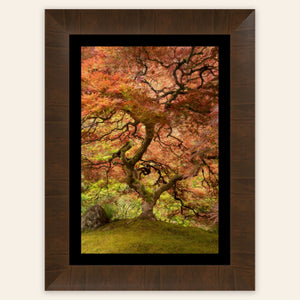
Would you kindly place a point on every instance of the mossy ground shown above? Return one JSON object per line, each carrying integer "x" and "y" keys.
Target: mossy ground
{"x": 145, "y": 236}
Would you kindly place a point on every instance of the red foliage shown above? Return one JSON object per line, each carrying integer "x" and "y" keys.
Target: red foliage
{"x": 160, "y": 104}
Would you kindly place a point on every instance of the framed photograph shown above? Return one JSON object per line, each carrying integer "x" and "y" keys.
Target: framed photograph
{"x": 149, "y": 150}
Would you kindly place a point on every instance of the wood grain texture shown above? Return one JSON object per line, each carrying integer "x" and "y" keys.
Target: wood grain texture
{"x": 59, "y": 275}
{"x": 243, "y": 153}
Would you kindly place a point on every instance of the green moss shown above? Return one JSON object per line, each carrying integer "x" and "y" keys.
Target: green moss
{"x": 145, "y": 236}
{"x": 147, "y": 194}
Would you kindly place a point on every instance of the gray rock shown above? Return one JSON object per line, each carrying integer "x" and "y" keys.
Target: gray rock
{"x": 93, "y": 218}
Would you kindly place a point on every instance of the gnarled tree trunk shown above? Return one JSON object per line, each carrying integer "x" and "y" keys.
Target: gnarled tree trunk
{"x": 147, "y": 211}
{"x": 149, "y": 198}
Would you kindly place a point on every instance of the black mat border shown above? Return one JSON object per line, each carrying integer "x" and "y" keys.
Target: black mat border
{"x": 223, "y": 257}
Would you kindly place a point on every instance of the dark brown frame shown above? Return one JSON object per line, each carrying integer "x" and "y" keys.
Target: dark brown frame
{"x": 240, "y": 274}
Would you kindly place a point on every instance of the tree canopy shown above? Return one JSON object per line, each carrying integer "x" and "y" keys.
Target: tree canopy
{"x": 149, "y": 121}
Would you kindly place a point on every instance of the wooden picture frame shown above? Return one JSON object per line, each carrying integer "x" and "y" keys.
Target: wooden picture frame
{"x": 240, "y": 274}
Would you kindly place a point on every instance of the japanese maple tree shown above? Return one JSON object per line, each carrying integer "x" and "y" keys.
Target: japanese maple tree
{"x": 149, "y": 118}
